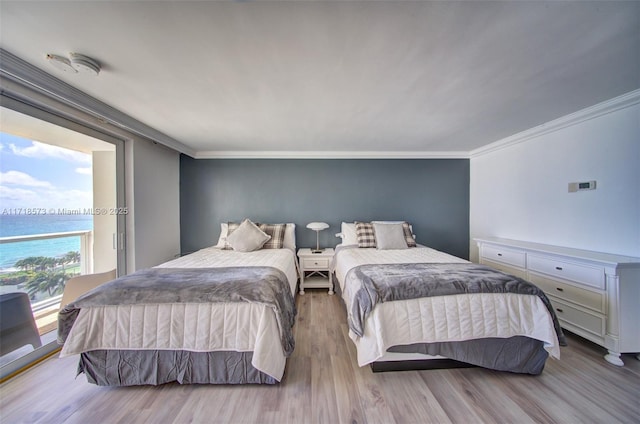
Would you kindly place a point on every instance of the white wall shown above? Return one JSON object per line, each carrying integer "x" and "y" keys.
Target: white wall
{"x": 153, "y": 197}
{"x": 521, "y": 191}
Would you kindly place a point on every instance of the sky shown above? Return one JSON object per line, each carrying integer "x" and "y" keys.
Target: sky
{"x": 35, "y": 175}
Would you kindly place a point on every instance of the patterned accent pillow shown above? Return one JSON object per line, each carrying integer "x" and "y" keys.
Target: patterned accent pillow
{"x": 276, "y": 231}
{"x": 366, "y": 234}
{"x": 408, "y": 235}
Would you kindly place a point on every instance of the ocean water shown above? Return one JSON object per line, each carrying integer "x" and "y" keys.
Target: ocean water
{"x": 20, "y": 225}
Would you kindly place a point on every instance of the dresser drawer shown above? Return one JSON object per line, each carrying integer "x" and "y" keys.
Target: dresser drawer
{"x": 312, "y": 263}
{"x": 583, "y": 274}
{"x": 588, "y": 298}
{"x": 506, "y": 268}
{"x": 590, "y": 323}
{"x": 501, "y": 254}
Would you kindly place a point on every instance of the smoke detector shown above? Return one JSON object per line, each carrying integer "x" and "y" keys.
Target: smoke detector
{"x": 76, "y": 63}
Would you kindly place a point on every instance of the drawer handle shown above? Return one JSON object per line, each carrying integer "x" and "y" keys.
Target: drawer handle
{"x": 559, "y": 310}
{"x": 559, "y": 289}
{"x": 559, "y": 268}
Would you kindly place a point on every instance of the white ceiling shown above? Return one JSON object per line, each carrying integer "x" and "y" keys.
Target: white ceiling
{"x": 330, "y": 76}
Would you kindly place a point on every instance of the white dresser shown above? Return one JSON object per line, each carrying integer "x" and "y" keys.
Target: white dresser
{"x": 595, "y": 295}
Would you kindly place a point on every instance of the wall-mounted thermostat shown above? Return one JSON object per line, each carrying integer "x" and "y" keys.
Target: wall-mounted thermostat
{"x": 587, "y": 185}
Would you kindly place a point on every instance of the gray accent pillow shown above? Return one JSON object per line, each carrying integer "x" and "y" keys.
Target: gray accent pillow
{"x": 247, "y": 237}
{"x": 390, "y": 236}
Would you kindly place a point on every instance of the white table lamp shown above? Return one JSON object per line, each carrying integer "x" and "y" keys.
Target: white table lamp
{"x": 317, "y": 227}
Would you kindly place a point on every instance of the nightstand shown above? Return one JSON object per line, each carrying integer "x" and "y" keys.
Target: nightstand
{"x": 314, "y": 269}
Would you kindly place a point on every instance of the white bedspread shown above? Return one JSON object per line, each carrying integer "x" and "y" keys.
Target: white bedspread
{"x": 198, "y": 327}
{"x": 439, "y": 318}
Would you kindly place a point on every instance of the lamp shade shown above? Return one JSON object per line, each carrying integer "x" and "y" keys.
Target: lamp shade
{"x": 317, "y": 226}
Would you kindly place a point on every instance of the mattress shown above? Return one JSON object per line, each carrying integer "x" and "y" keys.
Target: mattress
{"x": 436, "y": 319}
{"x": 194, "y": 327}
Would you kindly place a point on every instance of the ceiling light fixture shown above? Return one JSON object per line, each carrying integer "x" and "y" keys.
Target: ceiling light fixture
{"x": 77, "y": 63}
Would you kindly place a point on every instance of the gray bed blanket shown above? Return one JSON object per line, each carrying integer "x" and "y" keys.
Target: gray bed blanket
{"x": 260, "y": 284}
{"x": 389, "y": 282}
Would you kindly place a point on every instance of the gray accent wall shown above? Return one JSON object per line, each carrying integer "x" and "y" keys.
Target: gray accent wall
{"x": 431, "y": 194}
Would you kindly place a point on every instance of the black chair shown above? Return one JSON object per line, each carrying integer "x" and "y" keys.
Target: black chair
{"x": 17, "y": 325}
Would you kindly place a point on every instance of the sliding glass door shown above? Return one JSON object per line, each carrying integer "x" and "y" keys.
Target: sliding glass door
{"x": 62, "y": 214}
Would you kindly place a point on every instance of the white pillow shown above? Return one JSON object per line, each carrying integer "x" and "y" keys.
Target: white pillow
{"x": 248, "y": 237}
{"x": 288, "y": 243}
{"x": 348, "y": 230}
{"x": 390, "y": 236}
{"x": 222, "y": 240}
{"x": 290, "y": 236}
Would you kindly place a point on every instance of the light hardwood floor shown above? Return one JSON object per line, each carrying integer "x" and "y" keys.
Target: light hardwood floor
{"x": 323, "y": 384}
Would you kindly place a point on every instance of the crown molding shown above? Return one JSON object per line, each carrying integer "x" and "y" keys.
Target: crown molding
{"x": 328, "y": 155}
{"x": 595, "y": 111}
{"x": 17, "y": 70}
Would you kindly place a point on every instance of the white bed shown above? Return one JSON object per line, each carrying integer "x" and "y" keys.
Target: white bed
{"x": 193, "y": 327}
{"x": 452, "y": 318}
